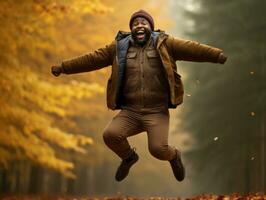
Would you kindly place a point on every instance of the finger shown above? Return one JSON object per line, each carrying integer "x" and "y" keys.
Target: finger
{"x": 55, "y": 73}
{"x": 53, "y": 70}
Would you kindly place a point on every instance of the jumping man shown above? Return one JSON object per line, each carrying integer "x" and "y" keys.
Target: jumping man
{"x": 144, "y": 84}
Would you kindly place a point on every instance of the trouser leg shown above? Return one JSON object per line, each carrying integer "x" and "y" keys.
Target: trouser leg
{"x": 123, "y": 125}
{"x": 157, "y": 127}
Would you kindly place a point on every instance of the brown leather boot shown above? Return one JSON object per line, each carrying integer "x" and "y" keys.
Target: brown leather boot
{"x": 178, "y": 167}
{"x": 125, "y": 165}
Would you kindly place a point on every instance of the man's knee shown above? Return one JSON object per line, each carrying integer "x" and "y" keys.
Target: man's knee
{"x": 111, "y": 136}
{"x": 160, "y": 152}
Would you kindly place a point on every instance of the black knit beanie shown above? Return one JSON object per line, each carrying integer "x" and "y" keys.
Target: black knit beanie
{"x": 144, "y": 14}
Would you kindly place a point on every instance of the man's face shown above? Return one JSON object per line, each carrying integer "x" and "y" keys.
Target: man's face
{"x": 141, "y": 30}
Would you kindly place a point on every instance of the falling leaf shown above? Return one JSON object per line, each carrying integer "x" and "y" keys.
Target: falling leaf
{"x": 215, "y": 139}
{"x": 188, "y": 95}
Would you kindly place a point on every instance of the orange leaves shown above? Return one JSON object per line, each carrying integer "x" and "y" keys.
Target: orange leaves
{"x": 256, "y": 196}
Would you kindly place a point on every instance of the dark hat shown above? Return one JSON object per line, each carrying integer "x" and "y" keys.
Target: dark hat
{"x": 144, "y": 14}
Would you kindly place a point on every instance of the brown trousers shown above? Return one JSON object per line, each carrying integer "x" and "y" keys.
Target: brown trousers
{"x": 128, "y": 123}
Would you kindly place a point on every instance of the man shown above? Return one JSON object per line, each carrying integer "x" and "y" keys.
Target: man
{"x": 144, "y": 83}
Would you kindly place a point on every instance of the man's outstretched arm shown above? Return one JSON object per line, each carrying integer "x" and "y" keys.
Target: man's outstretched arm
{"x": 193, "y": 51}
{"x": 98, "y": 59}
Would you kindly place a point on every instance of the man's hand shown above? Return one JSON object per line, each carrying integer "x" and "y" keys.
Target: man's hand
{"x": 222, "y": 58}
{"x": 56, "y": 70}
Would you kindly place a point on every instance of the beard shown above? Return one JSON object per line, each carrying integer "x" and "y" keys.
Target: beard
{"x": 141, "y": 38}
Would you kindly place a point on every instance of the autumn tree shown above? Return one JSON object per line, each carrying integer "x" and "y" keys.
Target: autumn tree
{"x": 31, "y": 104}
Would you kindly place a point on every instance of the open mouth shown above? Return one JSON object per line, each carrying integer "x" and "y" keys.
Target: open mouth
{"x": 140, "y": 34}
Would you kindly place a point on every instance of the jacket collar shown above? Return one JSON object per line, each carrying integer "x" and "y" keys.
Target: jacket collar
{"x": 122, "y": 34}
{"x": 161, "y": 37}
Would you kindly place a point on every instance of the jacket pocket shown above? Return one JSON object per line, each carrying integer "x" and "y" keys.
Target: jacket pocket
{"x": 152, "y": 54}
{"x": 131, "y": 54}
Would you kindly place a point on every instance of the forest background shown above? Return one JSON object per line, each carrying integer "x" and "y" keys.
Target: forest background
{"x": 51, "y": 127}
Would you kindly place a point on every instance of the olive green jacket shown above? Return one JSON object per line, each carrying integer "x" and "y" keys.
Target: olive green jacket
{"x": 170, "y": 50}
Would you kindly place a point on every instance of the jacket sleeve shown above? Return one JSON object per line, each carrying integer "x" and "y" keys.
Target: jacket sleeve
{"x": 98, "y": 59}
{"x": 192, "y": 51}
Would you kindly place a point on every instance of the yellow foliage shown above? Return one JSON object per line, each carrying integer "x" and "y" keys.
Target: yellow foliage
{"x": 31, "y": 130}
{"x": 92, "y": 7}
{"x": 30, "y": 103}
{"x": 35, "y": 35}
{"x": 31, "y": 147}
